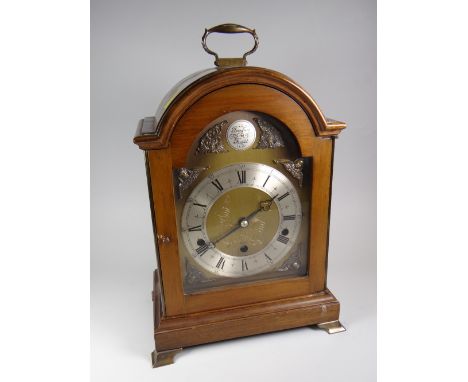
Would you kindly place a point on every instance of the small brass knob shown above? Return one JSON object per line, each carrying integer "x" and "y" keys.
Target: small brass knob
{"x": 163, "y": 239}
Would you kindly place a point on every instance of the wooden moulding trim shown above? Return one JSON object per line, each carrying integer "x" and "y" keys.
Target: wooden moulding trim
{"x": 215, "y": 326}
{"x": 323, "y": 127}
{"x": 269, "y": 307}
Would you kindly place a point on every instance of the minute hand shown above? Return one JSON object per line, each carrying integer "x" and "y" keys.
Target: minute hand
{"x": 232, "y": 230}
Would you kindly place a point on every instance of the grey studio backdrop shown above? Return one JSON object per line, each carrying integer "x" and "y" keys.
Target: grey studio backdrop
{"x": 139, "y": 50}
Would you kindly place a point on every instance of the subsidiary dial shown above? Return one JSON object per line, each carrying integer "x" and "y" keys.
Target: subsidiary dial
{"x": 241, "y": 135}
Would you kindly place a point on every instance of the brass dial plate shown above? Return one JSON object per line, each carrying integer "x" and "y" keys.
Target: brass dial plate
{"x": 241, "y": 220}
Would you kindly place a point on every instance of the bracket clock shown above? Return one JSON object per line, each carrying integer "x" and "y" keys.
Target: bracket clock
{"x": 239, "y": 166}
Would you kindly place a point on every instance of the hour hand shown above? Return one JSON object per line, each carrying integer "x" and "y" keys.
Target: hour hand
{"x": 264, "y": 206}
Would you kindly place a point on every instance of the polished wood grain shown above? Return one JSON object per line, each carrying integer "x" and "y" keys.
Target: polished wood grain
{"x": 232, "y": 76}
{"x": 258, "y": 307}
{"x": 160, "y": 168}
{"x": 260, "y": 98}
{"x": 212, "y": 326}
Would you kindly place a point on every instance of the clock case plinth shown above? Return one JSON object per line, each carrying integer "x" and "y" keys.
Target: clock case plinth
{"x": 172, "y": 334}
{"x": 182, "y": 320}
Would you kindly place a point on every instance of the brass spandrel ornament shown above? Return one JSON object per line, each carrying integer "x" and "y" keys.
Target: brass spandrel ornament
{"x": 239, "y": 165}
{"x": 185, "y": 178}
{"x": 211, "y": 141}
{"x": 293, "y": 167}
{"x": 269, "y": 136}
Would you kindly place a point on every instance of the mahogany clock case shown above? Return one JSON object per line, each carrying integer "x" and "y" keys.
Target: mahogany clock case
{"x": 182, "y": 319}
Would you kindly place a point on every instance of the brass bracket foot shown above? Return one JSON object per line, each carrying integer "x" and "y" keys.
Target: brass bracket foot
{"x": 164, "y": 358}
{"x": 332, "y": 327}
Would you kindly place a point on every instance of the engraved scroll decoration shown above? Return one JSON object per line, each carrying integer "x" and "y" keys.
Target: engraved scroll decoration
{"x": 293, "y": 167}
{"x": 211, "y": 141}
{"x": 270, "y": 137}
{"x": 185, "y": 178}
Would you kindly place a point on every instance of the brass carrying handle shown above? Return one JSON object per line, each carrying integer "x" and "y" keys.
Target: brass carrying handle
{"x": 230, "y": 28}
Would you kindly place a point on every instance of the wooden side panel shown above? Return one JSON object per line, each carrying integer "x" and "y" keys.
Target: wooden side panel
{"x": 160, "y": 166}
{"x": 320, "y": 218}
{"x": 156, "y": 297}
